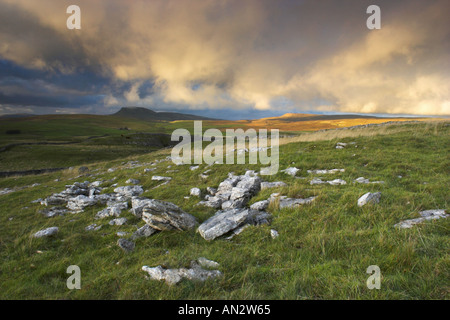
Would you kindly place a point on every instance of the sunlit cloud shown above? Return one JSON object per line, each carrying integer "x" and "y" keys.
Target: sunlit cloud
{"x": 237, "y": 54}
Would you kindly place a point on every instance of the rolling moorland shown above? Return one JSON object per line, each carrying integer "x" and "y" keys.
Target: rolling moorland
{"x": 316, "y": 250}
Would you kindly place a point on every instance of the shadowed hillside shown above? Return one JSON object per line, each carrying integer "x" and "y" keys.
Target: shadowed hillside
{"x": 147, "y": 114}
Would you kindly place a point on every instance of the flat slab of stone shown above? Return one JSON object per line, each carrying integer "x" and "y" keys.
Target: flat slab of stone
{"x": 173, "y": 276}
{"x": 161, "y": 178}
{"x": 334, "y": 182}
{"x": 293, "y": 203}
{"x": 223, "y": 222}
{"x": 276, "y": 184}
{"x": 325, "y": 171}
{"x": 425, "y": 216}
{"x": 46, "y": 232}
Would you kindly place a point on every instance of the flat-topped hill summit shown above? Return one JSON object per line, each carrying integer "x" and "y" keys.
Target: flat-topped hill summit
{"x": 147, "y": 114}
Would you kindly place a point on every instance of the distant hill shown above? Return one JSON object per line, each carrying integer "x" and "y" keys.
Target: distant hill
{"x": 16, "y": 115}
{"x": 147, "y": 114}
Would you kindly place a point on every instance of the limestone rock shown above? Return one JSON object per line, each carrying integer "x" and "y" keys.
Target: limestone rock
{"x": 205, "y": 263}
{"x": 118, "y": 221}
{"x": 112, "y": 211}
{"x": 137, "y": 205}
{"x": 274, "y": 234}
{"x": 173, "y": 276}
{"x": 325, "y": 171}
{"x": 195, "y": 192}
{"x": 276, "y": 184}
{"x": 260, "y": 205}
{"x": 54, "y": 211}
{"x": 126, "y": 245}
{"x": 227, "y": 220}
{"x": 92, "y": 227}
{"x": 132, "y": 181}
{"x": 46, "y": 232}
{"x": 162, "y": 215}
{"x": 160, "y": 178}
{"x": 145, "y": 231}
{"x": 292, "y": 171}
{"x": 129, "y": 191}
{"x": 425, "y": 215}
{"x": 285, "y": 202}
{"x": 79, "y": 203}
{"x": 369, "y": 197}
{"x": 222, "y": 222}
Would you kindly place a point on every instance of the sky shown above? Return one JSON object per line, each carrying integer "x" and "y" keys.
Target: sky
{"x": 226, "y": 59}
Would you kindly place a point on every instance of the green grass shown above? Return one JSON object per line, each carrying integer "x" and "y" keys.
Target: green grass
{"x": 322, "y": 252}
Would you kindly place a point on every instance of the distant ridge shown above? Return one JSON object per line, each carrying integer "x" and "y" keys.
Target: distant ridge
{"x": 147, "y": 114}
{"x": 16, "y": 115}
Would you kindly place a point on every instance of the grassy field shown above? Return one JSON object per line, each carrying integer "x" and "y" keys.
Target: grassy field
{"x": 323, "y": 249}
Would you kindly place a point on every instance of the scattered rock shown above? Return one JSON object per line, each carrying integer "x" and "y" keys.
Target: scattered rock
{"x": 205, "y": 263}
{"x": 145, "y": 231}
{"x": 425, "y": 216}
{"x": 276, "y": 184}
{"x": 54, "y": 211}
{"x": 334, "y": 182}
{"x": 46, "y": 232}
{"x": 162, "y": 216}
{"x": 292, "y": 171}
{"x": 132, "y": 181}
{"x": 129, "y": 191}
{"x": 274, "y": 234}
{"x": 118, "y": 221}
{"x": 369, "y": 197}
{"x": 112, "y": 211}
{"x": 294, "y": 202}
{"x": 196, "y": 192}
{"x": 366, "y": 181}
{"x": 227, "y": 220}
{"x": 173, "y": 276}
{"x": 92, "y": 227}
{"x": 325, "y": 171}
{"x": 83, "y": 170}
{"x": 79, "y": 203}
{"x": 160, "y": 178}
{"x": 126, "y": 245}
{"x": 260, "y": 205}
